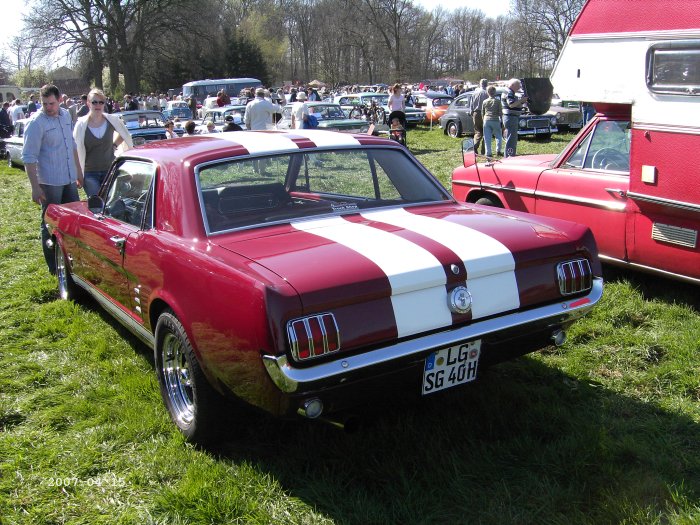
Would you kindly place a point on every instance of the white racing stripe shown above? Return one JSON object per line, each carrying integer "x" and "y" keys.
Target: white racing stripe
{"x": 490, "y": 264}
{"x": 416, "y": 277}
{"x": 326, "y": 138}
{"x": 257, "y": 143}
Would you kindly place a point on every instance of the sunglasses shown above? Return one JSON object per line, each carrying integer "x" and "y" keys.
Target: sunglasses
{"x": 101, "y": 102}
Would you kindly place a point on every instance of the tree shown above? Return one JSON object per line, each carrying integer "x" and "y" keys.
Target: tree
{"x": 30, "y": 78}
{"x": 549, "y": 21}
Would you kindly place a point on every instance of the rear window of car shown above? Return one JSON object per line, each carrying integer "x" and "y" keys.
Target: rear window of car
{"x": 258, "y": 191}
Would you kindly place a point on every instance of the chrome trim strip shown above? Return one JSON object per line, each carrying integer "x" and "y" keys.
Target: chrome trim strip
{"x": 667, "y": 34}
{"x": 607, "y": 205}
{"x": 668, "y": 128}
{"x": 688, "y": 206}
{"x": 494, "y": 187}
{"x": 289, "y": 379}
{"x": 135, "y": 328}
{"x": 649, "y": 269}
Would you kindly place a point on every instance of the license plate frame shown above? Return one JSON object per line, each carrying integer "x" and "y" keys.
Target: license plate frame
{"x": 451, "y": 366}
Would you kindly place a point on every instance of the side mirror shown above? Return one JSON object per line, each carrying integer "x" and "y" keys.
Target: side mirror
{"x": 468, "y": 153}
{"x": 96, "y": 204}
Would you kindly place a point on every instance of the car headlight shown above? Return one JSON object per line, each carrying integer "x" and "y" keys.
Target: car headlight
{"x": 522, "y": 123}
{"x": 553, "y": 120}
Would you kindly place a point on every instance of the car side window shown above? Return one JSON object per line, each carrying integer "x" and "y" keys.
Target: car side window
{"x": 578, "y": 157}
{"x": 129, "y": 194}
{"x": 606, "y": 148}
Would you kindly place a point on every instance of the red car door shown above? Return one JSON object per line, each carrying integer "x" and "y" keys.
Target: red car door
{"x": 102, "y": 256}
{"x": 590, "y": 184}
{"x": 116, "y": 234}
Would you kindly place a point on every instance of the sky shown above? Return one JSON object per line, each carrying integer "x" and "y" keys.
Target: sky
{"x": 12, "y": 11}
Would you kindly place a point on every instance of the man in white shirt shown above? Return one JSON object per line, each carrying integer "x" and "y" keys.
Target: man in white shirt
{"x": 300, "y": 111}
{"x": 259, "y": 113}
{"x": 16, "y": 112}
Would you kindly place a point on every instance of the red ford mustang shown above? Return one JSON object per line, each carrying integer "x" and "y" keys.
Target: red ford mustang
{"x": 300, "y": 271}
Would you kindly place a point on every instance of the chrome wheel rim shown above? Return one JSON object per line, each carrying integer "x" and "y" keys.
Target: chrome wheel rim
{"x": 61, "y": 273}
{"x": 177, "y": 379}
{"x": 452, "y": 130}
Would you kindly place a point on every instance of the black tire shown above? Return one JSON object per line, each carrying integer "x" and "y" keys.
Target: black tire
{"x": 194, "y": 406}
{"x": 67, "y": 289}
{"x": 489, "y": 201}
{"x": 453, "y": 129}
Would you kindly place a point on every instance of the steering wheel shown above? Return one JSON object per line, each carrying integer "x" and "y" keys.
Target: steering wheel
{"x": 610, "y": 159}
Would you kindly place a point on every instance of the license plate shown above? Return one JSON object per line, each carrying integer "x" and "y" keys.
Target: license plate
{"x": 541, "y": 130}
{"x": 451, "y": 366}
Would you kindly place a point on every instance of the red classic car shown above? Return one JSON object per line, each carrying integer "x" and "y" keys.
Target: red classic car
{"x": 301, "y": 271}
{"x": 599, "y": 181}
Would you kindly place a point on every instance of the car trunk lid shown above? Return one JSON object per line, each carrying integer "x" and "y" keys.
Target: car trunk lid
{"x": 391, "y": 273}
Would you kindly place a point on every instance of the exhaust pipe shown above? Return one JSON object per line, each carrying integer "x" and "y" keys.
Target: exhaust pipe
{"x": 313, "y": 408}
{"x": 559, "y": 337}
{"x": 349, "y": 424}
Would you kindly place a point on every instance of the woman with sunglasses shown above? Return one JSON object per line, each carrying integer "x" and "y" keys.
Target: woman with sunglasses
{"x": 97, "y": 134}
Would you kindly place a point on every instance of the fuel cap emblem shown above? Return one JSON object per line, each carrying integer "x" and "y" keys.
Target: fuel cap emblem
{"x": 459, "y": 300}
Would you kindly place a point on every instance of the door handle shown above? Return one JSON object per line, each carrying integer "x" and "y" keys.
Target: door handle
{"x": 616, "y": 191}
{"x": 118, "y": 241}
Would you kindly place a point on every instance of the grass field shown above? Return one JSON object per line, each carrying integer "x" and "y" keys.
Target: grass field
{"x": 605, "y": 430}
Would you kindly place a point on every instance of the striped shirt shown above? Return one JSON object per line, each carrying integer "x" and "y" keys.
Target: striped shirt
{"x": 507, "y": 99}
{"x": 49, "y": 143}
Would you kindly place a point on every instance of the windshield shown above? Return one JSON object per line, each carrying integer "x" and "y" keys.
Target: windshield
{"x": 380, "y": 100}
{"x": 143, "y": 120}
{"x": 327, "y": 111}
{"x": 256, "y": 192}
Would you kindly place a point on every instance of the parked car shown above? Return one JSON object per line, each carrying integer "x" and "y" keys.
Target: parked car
{"x": 457, "y": 120}
{"x": 145, "y": 125}
{"x": 177, "y": 108}
{"x": 218, "y": 116}
{"x": 434, "y": 104}
{"x": 567, "y": 118}
{"x": 588, "y": 182}
{"x": 306, "y": 272}
{"x": 414, "y": 116}
{"x": 15, "y": 143}
{"x": 330, "y": 116}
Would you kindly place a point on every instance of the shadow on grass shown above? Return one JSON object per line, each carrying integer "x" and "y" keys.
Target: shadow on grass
{"x": 525, "y": 444}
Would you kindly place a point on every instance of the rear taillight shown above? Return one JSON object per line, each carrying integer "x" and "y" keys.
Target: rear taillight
{"x": 313, "y": 336}
{"x": 574, "y": 276}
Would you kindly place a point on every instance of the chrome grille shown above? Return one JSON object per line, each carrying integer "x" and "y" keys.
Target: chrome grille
{"x": 538, "y": 123}
{"x": 574, "y": 276}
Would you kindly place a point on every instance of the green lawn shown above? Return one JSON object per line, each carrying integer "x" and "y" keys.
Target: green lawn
{"x": 605, "y": 430}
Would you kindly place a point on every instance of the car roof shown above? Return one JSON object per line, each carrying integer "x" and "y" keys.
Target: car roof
{"x": 138, "y": 112}
{"x": 215, "y": 146}
{"x": 314, "y": 103}
{"x": 223, "y": 109}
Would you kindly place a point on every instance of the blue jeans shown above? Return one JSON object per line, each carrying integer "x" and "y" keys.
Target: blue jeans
{"x": 492, "y": 128}
{"x": 510, "y": 122}
{"x": 54, "y": 195}
{"x": 93, "y": 182}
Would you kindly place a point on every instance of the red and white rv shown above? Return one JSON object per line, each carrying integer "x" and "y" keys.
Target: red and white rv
{"x": 633, "y": 172}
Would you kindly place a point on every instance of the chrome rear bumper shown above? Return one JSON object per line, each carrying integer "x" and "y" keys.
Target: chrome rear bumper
{"x": 290, "y": 379}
